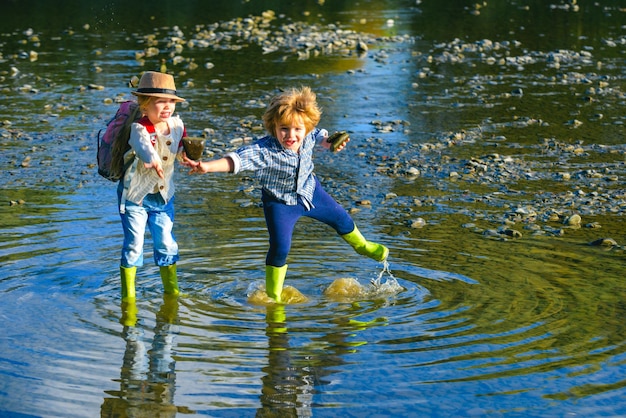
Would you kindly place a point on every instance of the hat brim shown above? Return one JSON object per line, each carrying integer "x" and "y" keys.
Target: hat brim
{"x": 164, "y": 95}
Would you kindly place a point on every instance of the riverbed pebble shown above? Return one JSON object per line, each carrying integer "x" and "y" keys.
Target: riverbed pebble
{"x": 604, "y": 242}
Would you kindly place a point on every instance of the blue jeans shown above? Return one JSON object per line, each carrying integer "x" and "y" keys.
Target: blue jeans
{"x": 281, "y": 220}
{"x": 159, "y": 217}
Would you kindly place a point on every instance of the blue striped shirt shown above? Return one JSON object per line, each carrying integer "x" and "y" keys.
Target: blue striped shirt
{"x": 282, "y": 173}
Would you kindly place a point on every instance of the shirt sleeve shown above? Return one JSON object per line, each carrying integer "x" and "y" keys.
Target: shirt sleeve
{"x": 140, "y": 142}
{"x": 236, "y": 161}
{"x": 252, "y": 157}
{"x": 320, "y": 134}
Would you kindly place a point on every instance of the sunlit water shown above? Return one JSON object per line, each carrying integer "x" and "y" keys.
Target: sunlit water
{"x": 458, "y": 323}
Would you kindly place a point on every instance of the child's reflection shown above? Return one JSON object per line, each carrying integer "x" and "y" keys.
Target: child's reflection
{"x": 287, "y": 389}
{"x": 147, "y": 377}
{"x": 291, "y": 380}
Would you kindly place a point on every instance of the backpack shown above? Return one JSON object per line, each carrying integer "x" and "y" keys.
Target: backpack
{"x": 118, "y": 129}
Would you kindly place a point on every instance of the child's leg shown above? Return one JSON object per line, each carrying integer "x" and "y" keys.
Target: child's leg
{"x": 134, "y": 227}
{"x": 161, "y": 223}
{"x": 280, "y": 220}
{"x": 327, "y": 210}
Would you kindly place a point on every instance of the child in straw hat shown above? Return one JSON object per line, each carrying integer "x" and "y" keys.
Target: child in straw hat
{"x": 282, "y": 162}
{"x": 146, "y": 192}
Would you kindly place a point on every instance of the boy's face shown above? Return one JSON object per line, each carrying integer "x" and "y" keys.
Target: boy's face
{"x": 292, "y": 134}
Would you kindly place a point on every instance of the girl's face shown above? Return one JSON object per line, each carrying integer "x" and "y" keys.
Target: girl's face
{"x": 291, "y": 135}
{"x": 160, "y": 110}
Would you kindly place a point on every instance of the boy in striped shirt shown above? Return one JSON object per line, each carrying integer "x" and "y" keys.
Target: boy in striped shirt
{"x": 283, "y": 165}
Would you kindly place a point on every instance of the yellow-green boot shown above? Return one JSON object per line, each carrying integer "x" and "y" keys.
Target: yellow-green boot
{"x": 128, "y": 283}
{"x": 362, "y": 246}
{"x": 169, "y": 279}
{"x": 274, "y": 280}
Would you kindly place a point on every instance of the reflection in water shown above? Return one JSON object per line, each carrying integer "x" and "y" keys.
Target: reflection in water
{"x": 148, "y": 376}
{"x": 525, "y": 327}
{"x": 292, "y": 377}
{"x": 287, "y": 389}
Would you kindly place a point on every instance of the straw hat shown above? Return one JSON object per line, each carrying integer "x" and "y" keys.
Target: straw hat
{"x": 157, "y": 84}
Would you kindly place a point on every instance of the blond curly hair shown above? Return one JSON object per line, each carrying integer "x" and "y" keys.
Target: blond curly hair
{"x": 289, "y": 105}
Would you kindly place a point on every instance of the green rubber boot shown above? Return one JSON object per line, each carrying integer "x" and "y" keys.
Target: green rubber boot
{"x": 128, "y": 283}
{"x": 274, "y": 280}
{"x": 362, "y": 246}
{"x": 169, "y": 279}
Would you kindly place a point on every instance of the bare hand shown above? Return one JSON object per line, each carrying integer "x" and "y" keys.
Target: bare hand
{"x": 340, "y": 147}
{"x": 196, "y": 166}
{"x": 337, "y": 141}
{"x": 157, "y": 167}
{"x": 188, "y": 162}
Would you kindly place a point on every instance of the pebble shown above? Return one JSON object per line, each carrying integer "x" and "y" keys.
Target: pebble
{"x": 417, "y": 223}
{"x": 573, "y": 220}
{"x": 604, "y": 242}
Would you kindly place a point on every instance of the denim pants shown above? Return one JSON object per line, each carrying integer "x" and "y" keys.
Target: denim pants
{"x": 159, "y": 217}
{"x": 281, "y": 220}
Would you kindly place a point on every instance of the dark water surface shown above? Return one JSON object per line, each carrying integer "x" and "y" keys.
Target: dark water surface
{"x": 479, "y": 132}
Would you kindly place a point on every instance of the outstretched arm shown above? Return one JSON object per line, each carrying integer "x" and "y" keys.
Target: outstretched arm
{"x": 221, "y": 165}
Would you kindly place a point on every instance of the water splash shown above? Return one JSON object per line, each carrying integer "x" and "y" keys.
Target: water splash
{"x": 290, "y": 295}
{"x": 350, "y": 289}
{"x": 390, "y": 285}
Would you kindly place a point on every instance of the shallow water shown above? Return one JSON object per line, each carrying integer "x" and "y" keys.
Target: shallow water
{"x": 455, "y": 141}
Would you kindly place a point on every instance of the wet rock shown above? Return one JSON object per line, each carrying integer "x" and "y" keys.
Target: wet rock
{"x": 412, "y": 172}
{"x": 604, "y": 242}
{"x": 417, "y": 223}
{"x": 491, "y": 233}
{"x": 509, "y": 232}
{"x": 557, "y": 232}
{"x": 522, "y": 214}
{"x": 573, "y": 220}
